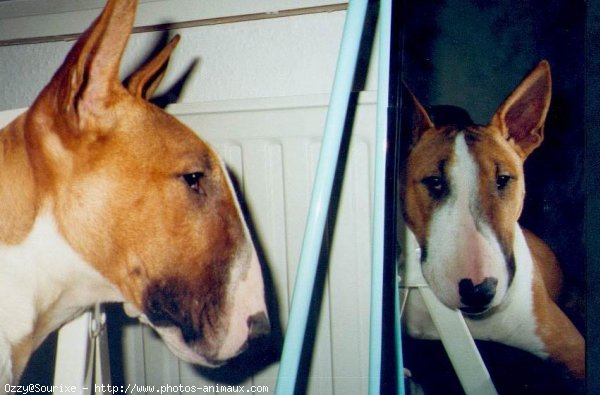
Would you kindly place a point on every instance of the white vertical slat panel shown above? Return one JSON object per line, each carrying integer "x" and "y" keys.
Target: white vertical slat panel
{"x": 263, "y": 160}
{"x": 349, "y": 292}
{"x": 133, "y": 354}
{"x": 298, "y": 170}
{"x": 271, "y": 146}
{"x": 161, "y": 366}
{"x": 72, "y": 352}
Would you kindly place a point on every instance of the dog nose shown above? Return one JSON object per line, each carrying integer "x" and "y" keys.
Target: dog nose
{"x": 259, "y": 325}
{"x": 476, "y": 298}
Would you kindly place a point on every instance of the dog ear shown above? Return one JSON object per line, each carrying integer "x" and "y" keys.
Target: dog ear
{"x": 89, "y": 76}
{"x": 415, "y": 115}
{"x": 143, "y": 82}
{"x": 522, "y": 115}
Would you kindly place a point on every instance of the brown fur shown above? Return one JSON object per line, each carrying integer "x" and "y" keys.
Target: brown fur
{"x": 499, "y": 148}
{"x": 19, "y": 207}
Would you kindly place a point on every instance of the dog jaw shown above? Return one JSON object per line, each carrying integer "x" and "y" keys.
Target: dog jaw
{"x": 242, "y": 306}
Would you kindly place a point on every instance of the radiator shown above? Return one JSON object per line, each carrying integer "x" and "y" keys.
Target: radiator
{"x": 271, "y": 147}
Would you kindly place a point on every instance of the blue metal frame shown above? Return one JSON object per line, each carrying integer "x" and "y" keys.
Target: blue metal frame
{"x": 379, "y": 243}
{"x": 319, "y": 205}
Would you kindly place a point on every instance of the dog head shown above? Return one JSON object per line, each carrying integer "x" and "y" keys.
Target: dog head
{"x": 463, "y": 193}
{"x": 144, "y": 200}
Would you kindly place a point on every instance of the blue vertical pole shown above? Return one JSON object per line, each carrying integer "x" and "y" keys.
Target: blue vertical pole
{"x": 384, "y": 243}
{"x": 321, "y": 194}
{"x": 378, "y": 226}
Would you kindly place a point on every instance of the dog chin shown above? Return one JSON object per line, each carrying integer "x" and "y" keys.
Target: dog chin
{"x": 475, "y": 314}
{"x": 480, "y": 314}
{"x": 173, "y": 338}
{"x": 470, "y": 312}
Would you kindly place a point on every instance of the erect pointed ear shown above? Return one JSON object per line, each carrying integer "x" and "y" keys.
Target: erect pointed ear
{"x": 522, "y": 115}
{"x": 143, "y": 82}
{"x": 418, "y": 119}
{"x": 89, "y": 75}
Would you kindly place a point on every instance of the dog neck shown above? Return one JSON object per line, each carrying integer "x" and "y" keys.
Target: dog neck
{"x": 518, "y": 302}
{"x": 18, "y": 190}
{"x": 48, "y": 282}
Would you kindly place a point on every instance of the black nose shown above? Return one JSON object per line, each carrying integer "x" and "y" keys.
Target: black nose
{"x": 476, "y": 298}
{"x": 259, "y": 325}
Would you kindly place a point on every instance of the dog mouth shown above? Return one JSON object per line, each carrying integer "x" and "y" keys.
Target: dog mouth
{"x": 475, "y": 312}
{"x": 186, "y": 351}
{"x": 480, "y": 313}
{"x": 173, "y": 337}
{"x": 197, "y": 351}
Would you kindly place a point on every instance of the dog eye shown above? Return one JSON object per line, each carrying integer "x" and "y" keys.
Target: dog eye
{"x": 193, "y": 181}
{"x": 435, "y": 185}
{"x": 502, "y": 181}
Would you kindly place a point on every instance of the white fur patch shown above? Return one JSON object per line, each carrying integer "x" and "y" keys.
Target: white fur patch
{"x": 460, "y": 243}
{"x": 44, "y": 277}
{"x": 513, "y": 323}
{"x": 245, "y": 290}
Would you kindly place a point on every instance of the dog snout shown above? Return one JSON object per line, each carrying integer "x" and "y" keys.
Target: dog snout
{"x": 476, "y": 298}
{"x": 258, "y": 325}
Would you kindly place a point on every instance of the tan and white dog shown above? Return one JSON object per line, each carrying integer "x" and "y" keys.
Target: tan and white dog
{"x": 462, "y": 194}
{"x": 106, "y": 197}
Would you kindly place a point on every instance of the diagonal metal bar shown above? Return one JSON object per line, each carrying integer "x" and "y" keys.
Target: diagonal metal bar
{"x": 319, "y": 205}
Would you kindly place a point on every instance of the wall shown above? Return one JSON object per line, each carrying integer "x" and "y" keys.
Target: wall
{"x": 285, "y": 56}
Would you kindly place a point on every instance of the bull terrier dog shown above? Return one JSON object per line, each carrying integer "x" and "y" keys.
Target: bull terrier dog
{"x": 462, "y": 194}
{"x": 106, "y": 197}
